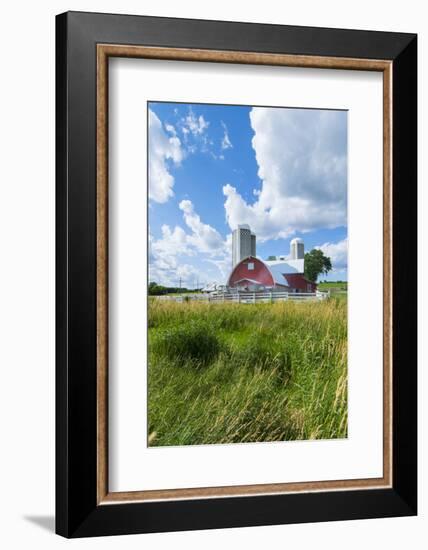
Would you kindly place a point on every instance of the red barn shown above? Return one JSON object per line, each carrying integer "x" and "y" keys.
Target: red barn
{"x": 252, "y": 274}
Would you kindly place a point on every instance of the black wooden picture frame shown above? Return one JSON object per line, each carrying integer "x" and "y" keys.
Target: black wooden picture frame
{"x": 79, "y": 510}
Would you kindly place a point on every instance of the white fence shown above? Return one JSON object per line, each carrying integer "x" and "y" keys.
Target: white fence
{"x": 253, "y": 297}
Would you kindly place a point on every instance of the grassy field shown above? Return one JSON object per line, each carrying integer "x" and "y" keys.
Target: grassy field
{"x": 333, "y": 285}
{"x": 232, "y": 373}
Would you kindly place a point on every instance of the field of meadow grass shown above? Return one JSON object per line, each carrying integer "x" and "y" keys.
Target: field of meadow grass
{"x": 235, "y": 373}
{"x": 333, "y": 285}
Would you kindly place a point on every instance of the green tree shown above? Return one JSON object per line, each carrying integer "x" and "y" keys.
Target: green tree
{"x": 315, "y": 264}
{"x": 271, "y": 258}
{"x": 157, "y": 290}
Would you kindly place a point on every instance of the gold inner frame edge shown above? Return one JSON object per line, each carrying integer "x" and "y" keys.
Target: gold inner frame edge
{"x": 104, "y": 52}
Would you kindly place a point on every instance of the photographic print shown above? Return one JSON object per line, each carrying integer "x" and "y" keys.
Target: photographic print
{"x": 247, "y": 278}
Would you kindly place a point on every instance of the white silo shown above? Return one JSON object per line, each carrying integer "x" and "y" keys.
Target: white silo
{"x": 243, "y": 243}
{"x": 297, "y": 249}
{"x": 253, "y": 244}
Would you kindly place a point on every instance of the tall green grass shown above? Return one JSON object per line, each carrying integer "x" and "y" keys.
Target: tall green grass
{"x": 231, "y": 373}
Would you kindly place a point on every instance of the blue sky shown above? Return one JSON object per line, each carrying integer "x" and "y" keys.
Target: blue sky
{"x": 282, "y": 171}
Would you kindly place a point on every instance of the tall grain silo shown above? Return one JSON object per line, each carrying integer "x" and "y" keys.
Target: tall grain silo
{"x": 242, "y": 243}
{"x": 297, "y": 249}
{"x": 253, "y": 244}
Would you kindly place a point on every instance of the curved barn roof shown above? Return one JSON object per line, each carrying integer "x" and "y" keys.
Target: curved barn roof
{"x": 278, "y": 269}
{"x": 286, "y": 266}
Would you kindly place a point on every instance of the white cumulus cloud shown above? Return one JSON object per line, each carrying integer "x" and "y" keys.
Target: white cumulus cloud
{"x": 163, "y": 148}
{"x": 167, "y": 254}
{"x": 204, "y": 237}
{"x": 337, "y": 252}
{"x": 173, "y": 243}
{"x": 302, "y": 162}
{"x": 225, "y": 142}
{"x": 196, "y": 125}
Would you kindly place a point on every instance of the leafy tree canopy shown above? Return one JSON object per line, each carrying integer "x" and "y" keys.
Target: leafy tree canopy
{"x": 316, "y": 263}
{"x": 158, "y": 290}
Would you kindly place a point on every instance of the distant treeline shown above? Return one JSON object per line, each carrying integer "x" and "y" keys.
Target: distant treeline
{"x": 159, "y": 290}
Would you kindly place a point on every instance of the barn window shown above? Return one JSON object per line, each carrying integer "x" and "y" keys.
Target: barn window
{"x": 250, "y": 266}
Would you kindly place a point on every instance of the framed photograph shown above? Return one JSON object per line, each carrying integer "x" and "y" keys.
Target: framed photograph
{"x": 236, "y": 264}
